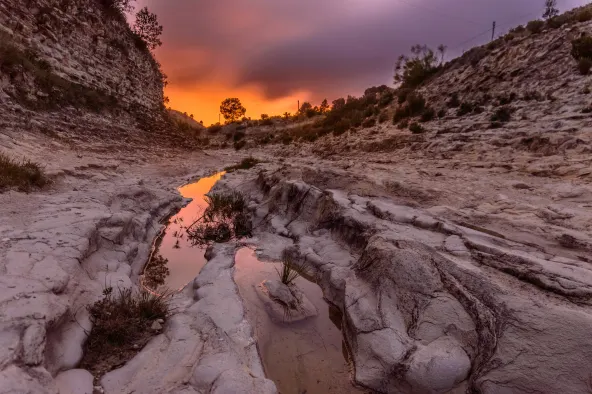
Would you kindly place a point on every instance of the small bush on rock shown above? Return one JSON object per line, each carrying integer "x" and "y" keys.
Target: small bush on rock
{"x": 428, "y": 115}
{"x": 416, "y": 128}
{"x": 584, "y": 16}
{"x": 584, "y": 66}
{"x": 22, "y": 175}
{"x": 121, "y": 324}
{"x": 454, "y": 102}
{"x": 403, "y": 125}
{"x": 581, "y": 48}
{"x": 535, "y": 27}
{"x": 502, "y": 114}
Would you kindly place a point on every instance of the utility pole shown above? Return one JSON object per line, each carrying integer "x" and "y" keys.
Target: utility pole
{"x": 493, "y": 31}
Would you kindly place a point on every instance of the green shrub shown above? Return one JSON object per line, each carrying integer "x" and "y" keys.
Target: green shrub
{"x": 402, "y": 94}
{"x": 401, "y": 113}
{"x": 215, "y": 128}
{"x": 584, "y": 66}
{"x": 238, "y": 135}
{"x": 416, "y": 103}
{"x": 23, "y": 175}
{"x": 238, "y": 145}
{"x": 465, "y": 108}
{"x": 557, "y": 21}
{"x": 370, "y": 122}
{"x": 502, "y": 114}
{"x": 403, "y": 125}
{"x": 341, "y": 127}
{"x": 120, "y": 324}
{"x": 245, "y": 164}
{"x": 535, "y": 27}
{"x": 454, "y": 102}
{"x": 582, "y": 48}
{"x": 416, "y": 128}
{"x": 428, "y": 114}
{"x": 584, "y": 15}
{"x": 413, "y": 71}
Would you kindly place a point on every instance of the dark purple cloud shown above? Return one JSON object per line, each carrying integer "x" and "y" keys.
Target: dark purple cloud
{"x": 328, "y": 47}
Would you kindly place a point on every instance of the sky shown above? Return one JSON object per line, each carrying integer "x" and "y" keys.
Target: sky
{"x": 272, "y": 53}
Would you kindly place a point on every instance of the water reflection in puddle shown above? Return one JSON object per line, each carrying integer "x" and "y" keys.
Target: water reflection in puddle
{"x": 302, "y": 357}
{"x": 185, "y": 260}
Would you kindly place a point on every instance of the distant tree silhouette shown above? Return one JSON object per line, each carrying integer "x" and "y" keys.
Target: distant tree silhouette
{"x": 324, "y": 106}
{"x": 232, "y": 109}
{"x": 442, "y": 49}
{"x": 550, "y": 9}
{"x": 264, "y": 116}
{"x": 148, "y": 28}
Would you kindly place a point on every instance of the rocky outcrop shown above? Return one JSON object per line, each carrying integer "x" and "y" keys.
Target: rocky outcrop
{"x": 430, "y": 305}
{"x": 83, "y": 42}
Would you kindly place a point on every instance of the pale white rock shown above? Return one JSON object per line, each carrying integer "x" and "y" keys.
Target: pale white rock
{"x": 75, "y": 381}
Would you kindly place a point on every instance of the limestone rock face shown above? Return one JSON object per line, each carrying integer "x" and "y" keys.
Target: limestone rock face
{"x": 86, "y": 44}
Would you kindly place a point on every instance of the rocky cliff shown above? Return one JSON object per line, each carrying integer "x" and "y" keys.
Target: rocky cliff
{"x": 72, "y": 68}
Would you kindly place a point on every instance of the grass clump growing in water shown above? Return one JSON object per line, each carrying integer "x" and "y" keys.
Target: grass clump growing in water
{"x": 23, "y": 175}
{"x": 291, "y": 270}
{"x": 225, "y": 218}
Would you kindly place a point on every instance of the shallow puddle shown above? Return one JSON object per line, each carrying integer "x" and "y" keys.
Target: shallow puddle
{"x": 185, "y": 260}
{"x": 302, "y": 357}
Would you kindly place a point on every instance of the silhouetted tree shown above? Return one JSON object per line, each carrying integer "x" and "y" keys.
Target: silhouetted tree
{"x": 550, "y": 9}
{"x": 412, "y": 71}
{"x": 232, "y": 109}
{"x": 264, "y": 116}
{"x": 442, "y": 49}
{"x": 324, "y": 106}
{"x": 148, "y": 28}
{"x": 338, "y": 104}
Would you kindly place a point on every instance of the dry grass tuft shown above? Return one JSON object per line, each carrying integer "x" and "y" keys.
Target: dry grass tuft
{"x": 23, "y": 175}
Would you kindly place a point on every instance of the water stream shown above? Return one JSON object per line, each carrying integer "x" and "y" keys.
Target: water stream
{"x": 307, "y": 356}
{"x": 184, "y": 260}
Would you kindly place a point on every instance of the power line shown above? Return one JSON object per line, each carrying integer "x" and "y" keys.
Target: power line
{"x": 439, "y": 13}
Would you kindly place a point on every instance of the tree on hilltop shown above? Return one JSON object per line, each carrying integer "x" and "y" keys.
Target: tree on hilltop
{"x": 551, "y": 10}
{"x": 232, "y": 109}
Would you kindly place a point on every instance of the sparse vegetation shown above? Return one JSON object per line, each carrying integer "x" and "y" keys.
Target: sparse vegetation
{"x": 121, "y": 326}
{"x": 22, "y": 175}
{"x": 428, "y": 114}
{"x": 535, "y": 27}
{"x": 584, "y": 66}
{"x": 245, "y": 164}
{"x": 454, "y": 102}
{"x": 584, "y": 16}
{"x": 291, "y": 270}
{"x": 502, "y": 114}
{"x": 225, "y": 218}
{"x": 551, "y": 10}
{"x": 416, "y": 128}
{"x": 412, "y": 71}
{"x": 215, "y": 128}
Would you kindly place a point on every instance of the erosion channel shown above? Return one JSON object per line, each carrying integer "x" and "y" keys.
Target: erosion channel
{"x": 302, "y": 348}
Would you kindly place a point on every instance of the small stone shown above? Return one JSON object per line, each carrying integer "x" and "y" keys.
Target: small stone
{"x": 156, "y": 326}
{"x": 161, "y": 321}
{"x": 5, "y": 239}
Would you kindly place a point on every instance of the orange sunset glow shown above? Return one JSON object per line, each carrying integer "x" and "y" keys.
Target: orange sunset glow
{"x": 204, "y": 101}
